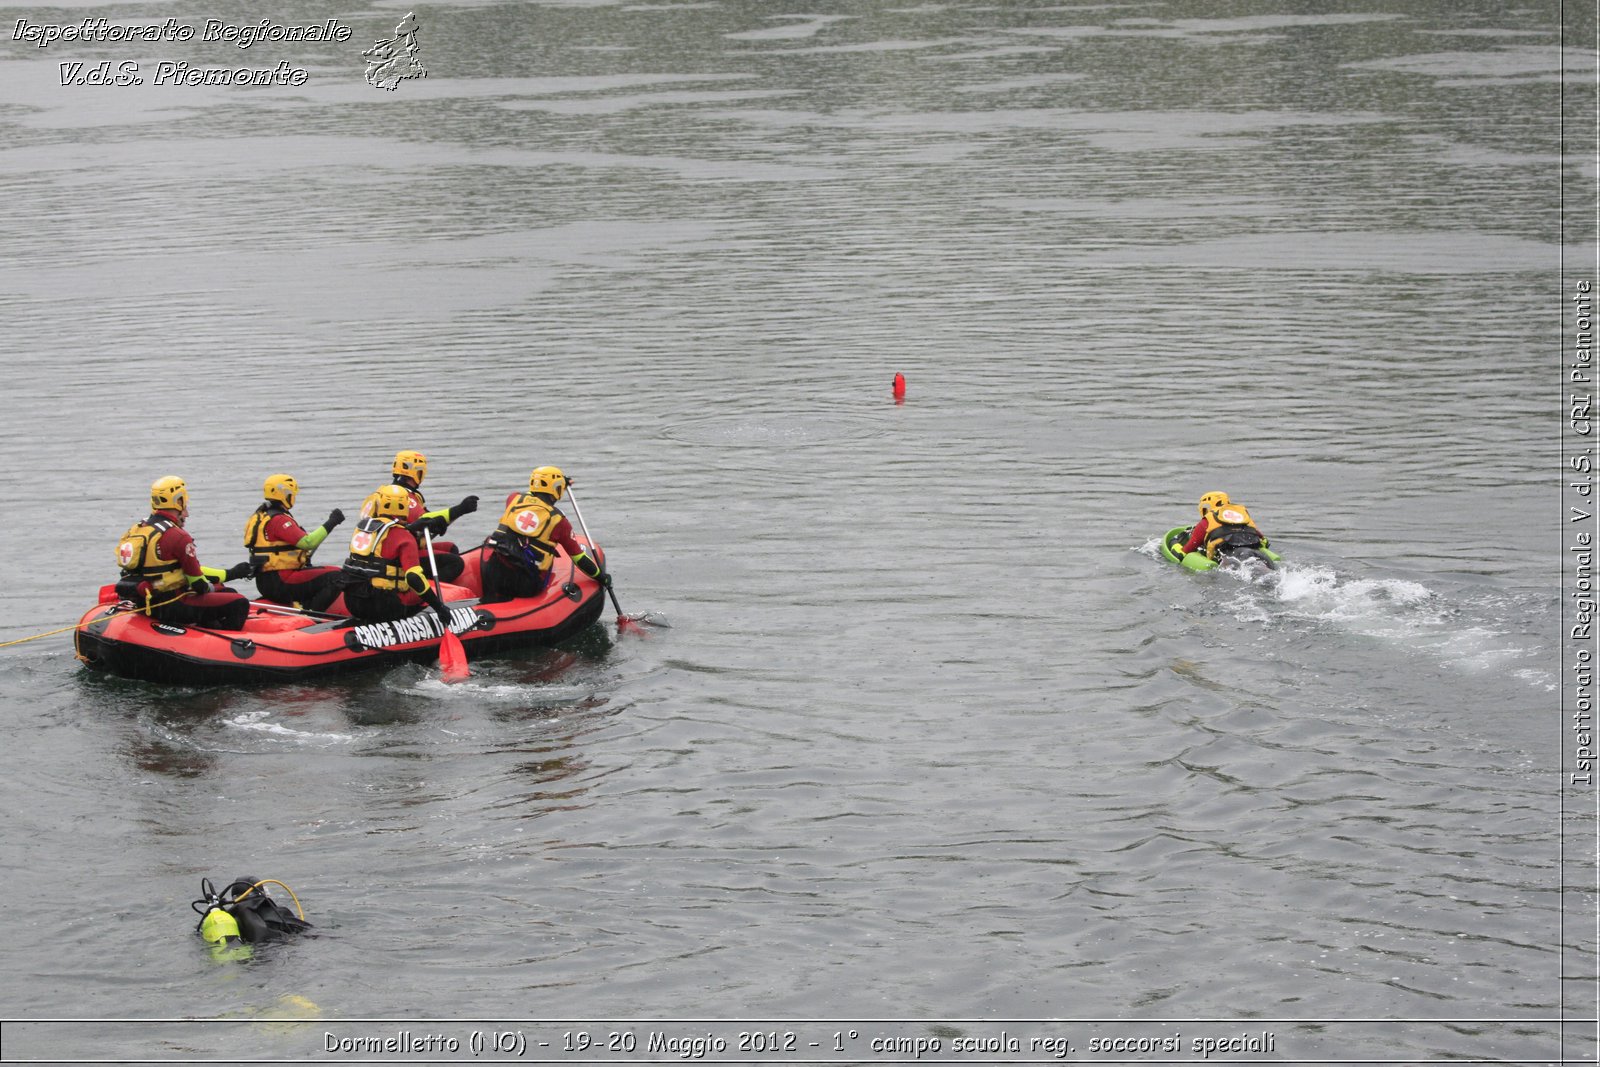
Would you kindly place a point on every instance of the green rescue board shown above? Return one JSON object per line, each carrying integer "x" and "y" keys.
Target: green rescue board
{"x": 1195, "y": 561}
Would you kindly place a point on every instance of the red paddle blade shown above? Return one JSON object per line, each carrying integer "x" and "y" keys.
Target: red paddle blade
{"x": 453, "y": 658}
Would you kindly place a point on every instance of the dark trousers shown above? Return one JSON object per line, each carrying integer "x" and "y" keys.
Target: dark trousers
{"x": 224, "y": 610}
{"x": 378, "y": 605}
{"x": 313, "y": 588}
{"x": 504, "y": 580}
{"x": 450, "y": 563}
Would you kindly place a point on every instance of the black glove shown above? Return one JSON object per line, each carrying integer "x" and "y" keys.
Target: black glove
{"x": 605, "y": 579}
{"x": 467, "y": 506}
{"x": 436, "y": 602}
{"x": 335, "y": 517}
{"x": 239, "y": 570}
{"x": 430, "y": 524}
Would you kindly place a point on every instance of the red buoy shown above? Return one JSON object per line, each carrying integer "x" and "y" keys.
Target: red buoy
{"x": 899, "y": 386}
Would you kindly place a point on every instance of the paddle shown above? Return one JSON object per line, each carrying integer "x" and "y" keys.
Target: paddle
{"x": 285, "y": 609}
{"x": 623, "y": 621}
{"x": 108, "y": 595}
{"x": 452, "y": 655}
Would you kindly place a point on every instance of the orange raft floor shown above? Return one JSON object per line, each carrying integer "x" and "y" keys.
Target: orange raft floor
{"x": 280, "y": 644}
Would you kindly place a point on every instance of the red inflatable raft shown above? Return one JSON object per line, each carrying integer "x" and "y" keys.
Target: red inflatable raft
{"x": 280, "y": 643}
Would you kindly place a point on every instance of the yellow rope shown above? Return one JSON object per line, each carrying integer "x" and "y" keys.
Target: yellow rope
{"x": 274, "y": 881}
{"x": 79, "y": 625}
{"x": 35, "y": 637}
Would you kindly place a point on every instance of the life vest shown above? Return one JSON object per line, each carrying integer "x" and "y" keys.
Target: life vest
{"x": 138, "y": 554}
{"x": 1230, "y": 526}
{"x": 524, "y": 532}
{"x": 365, "y": 563}
{"x": 265, "y": 553}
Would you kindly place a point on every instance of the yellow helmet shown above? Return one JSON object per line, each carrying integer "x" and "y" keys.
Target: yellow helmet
{"x": 218, "y": 926}
{"x": 282, "y": 488}
{"x": 1212, "y": 501}
{"x": 409, "y": 464}
{"x": 548, "y": 481}
{"x": 393, "y": 502}
{"x": 169, "y": 494}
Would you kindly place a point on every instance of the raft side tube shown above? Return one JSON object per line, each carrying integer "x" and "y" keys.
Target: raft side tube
{"x": 276, "y": 648}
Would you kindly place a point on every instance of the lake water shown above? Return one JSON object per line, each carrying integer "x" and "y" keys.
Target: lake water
{"x": 935, "y": 748}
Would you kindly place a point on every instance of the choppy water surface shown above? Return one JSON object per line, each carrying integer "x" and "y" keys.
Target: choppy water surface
{"x": 934, "y": 735}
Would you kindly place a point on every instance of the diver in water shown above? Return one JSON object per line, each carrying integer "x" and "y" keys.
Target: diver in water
{"x": 244, "y": 914}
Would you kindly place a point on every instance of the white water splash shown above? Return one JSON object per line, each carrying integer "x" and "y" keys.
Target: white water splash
{"x": 1319, "y": 593}
{"x": 435, "y": 687}
{"x": 259, "y": 722}
{"x": 1396, "y": 611}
